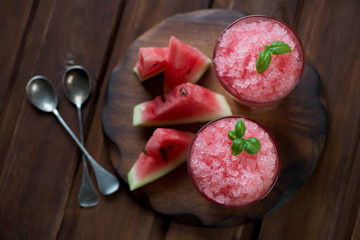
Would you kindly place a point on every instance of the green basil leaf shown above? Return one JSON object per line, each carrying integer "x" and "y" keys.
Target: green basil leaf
{"x": 263, "y": 61}
{"x": 232, "y": 135}
{"x": 240, "y": 128}
{"x": 252, "y": 145}
{"x": 237, "y": 146}
{"x": 278, "y": 48}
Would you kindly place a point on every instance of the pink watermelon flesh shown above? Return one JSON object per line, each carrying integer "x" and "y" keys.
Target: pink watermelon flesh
{"x": 186, "y": 103}
{"x": 165, "y": 150}
{"x": 151, "y": 62}
{"x": 184, "y": 64}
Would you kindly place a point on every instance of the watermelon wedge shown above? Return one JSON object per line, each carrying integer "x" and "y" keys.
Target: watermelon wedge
{"x": 186, "y": 103}
{"x": 165, "y": 150}
{"x": 184, "y": 64}
{"x": 151, "y": 62}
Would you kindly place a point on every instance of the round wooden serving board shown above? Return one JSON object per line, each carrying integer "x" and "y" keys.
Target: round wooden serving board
{"x": 298, "y": 124}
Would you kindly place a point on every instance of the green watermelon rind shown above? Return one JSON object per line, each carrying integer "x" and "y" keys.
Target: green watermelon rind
{"x": 135, "y": 183}
{"x": 201, "y": 70}
{"x": 225, "y": 110}
{"x": 136, "y": 71}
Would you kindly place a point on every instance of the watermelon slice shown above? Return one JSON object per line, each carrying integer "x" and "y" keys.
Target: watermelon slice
{"x": 184, "y": 64}
{"x": 151, "y": 62}
{"x": 165, "y": 150}
{"x": 186, "y": 103}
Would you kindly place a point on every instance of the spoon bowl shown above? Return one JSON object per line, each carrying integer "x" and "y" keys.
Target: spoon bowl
{"x": 41, "y": 93}
{"x": 76, "y": 84}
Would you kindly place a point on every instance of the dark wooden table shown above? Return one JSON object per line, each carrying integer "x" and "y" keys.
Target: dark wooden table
{"x": 40, "y": 170}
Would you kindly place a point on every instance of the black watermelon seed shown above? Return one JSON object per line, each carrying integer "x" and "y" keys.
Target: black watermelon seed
{"x": 183, "y": 91}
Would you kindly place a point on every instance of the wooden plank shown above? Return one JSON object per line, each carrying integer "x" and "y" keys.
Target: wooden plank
{"x": 14, "y": 24}
{"x": 355, "y": 234}
{"x": 324, "y": 206}
{"x": 180, "y": 231}
{"x": 348, "y": 223}
{"x": 37, "y": 179}
{"x": 284, "y": 10}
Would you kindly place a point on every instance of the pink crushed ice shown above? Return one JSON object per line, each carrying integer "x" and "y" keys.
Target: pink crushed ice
{"x": 227, "y": 179}
{"x": 236, "y": 54}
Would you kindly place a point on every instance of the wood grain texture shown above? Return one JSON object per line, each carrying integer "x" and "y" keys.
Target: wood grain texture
{"x": 299, "y": 136}
{"x": 37, "y": 172}
{"x": 178, "y": 231}
{"x": 328, "y": 198}
{"x": 11, "y": 56}
{"x": 284, "y": 10}
{"x": 13, "y": 35}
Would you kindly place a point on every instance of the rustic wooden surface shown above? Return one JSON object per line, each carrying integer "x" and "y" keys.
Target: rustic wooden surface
{"x": 39, "y": 167}
{"x": 298, "y": 124}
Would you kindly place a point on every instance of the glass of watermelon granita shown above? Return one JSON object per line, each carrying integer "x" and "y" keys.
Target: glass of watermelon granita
{"x": 228, "y": 180}
{"x": 235, "y": 60}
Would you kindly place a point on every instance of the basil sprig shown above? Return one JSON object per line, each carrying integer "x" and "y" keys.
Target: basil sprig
{"x": 251, "y": 145}
{"x": 264, "y": 58}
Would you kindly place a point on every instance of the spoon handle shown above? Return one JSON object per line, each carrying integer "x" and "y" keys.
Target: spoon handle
{"x": 107, "y": 182}
{"x": 87, "y": 196}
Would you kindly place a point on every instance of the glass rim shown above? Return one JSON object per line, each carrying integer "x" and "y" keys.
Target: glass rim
{"x": 248, "y": 102}
{"x": 276, "y": 175}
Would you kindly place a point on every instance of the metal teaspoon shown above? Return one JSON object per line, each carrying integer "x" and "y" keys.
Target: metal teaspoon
{"x": 76, "y": 85}
{"x": 42, "y": 95}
